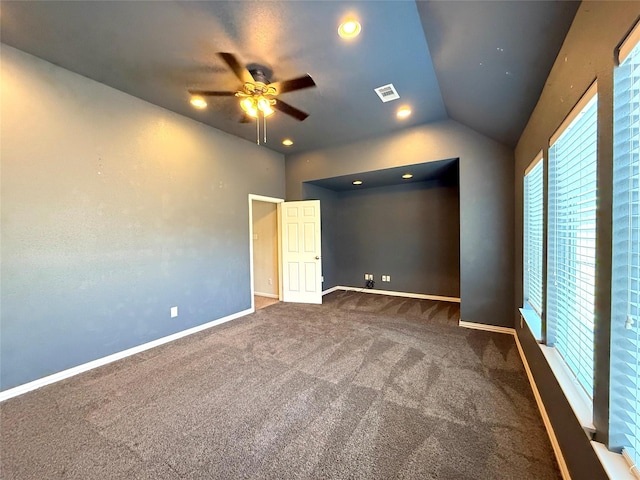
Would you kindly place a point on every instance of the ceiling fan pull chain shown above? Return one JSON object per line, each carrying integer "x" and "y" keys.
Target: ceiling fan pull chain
{"x": 258, "y": 129}
{"x": 264, "y": 127}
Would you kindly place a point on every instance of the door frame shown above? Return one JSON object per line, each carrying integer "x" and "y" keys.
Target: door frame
{"x": 277, "y": 201}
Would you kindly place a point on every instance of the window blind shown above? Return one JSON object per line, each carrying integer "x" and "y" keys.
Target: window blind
{"x": 624, "y": 429}
{"x": 572, "y": 241}
{"x": 533, "y": 236}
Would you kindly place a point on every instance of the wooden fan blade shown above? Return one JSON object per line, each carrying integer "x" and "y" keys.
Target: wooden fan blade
{"x": 299, "y": 83}
{"x": 242, "y": 73}
{"x": 212, "y": 93}
{"x": 289, "y": 110}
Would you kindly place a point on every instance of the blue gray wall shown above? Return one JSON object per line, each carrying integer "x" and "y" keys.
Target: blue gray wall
{"x": 587, "y": 54}
{"x": 486, "y": 202}
{"x": 410, "y": 232}
{"x": 328, "y": 208}
{"x": 114, "y": 210}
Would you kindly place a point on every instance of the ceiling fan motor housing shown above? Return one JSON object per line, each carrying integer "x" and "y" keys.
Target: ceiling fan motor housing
{"x": 260, "y": 73}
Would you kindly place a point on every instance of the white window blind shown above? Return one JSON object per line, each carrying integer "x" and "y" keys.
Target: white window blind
{"x": 624, "y": 428}
{"x": 533, "y": 236}
{"x": 572, "y": 240}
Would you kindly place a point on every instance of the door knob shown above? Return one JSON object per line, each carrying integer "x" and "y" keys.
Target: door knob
{"x": 317, "y": 257}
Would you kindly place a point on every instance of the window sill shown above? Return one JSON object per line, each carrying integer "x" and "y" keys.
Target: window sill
{"x": 533, "y": 321}
{"x": 580, "y": 403}
{"x": 614, "y": 464}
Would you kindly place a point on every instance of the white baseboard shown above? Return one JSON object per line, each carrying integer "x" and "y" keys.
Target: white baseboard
{"x": 564, "y": 471}
{"x": 330, "y": 290}
{"x": 487, "y": 328}
{"x": 56, "y": 377}
{"x": 394, "y": 294}
{"x": 268, "y": 295}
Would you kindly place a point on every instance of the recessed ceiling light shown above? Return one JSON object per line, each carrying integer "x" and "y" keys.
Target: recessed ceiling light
{"x": 198, "y": 102}
{"x": 349, "y": 29}
{"x": 403, "y": 112}
{"x": 357, "y": 182}
{"x": 287, "y": 142}
{"x": 407, "y": 175}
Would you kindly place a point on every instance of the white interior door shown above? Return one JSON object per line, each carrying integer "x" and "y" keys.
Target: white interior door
{"x": 301, "y": 251}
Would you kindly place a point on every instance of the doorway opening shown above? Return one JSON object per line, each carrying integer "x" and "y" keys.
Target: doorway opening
{"x": 264, "y": 246}
{"x": 285, "y": 250}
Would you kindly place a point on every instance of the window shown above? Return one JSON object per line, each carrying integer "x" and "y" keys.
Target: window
{"x": 533, "y": 241}
{"x": 572, "y": 239}
{"x": 533, "y": 232}
{"x": 624, "y": 429}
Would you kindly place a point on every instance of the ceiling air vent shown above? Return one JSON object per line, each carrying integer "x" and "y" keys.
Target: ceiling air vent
{"x": 387, "y": 93}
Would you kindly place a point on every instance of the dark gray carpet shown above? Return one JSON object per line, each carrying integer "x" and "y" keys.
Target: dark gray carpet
{"x": 362, "y": 387}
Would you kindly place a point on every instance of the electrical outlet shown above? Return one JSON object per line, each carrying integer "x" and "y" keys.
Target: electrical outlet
{"x": 270, "y": 281}
{"x": 174, "y": 312}
{"x": 388, "y": 278}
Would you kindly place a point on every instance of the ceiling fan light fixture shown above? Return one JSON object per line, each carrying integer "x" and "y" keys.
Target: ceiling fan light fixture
{"x": 264, "y": 106}
{"x": 349, "y": 29}
{"x": 198, "y": 102}
{"x": 255, "y": 105}
{"x": 249, "y": 107}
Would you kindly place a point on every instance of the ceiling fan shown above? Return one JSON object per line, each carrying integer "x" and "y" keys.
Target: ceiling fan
{"x": 258, "y": 96}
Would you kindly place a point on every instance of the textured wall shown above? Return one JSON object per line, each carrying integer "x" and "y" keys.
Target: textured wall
{"x": 265, "y": 247}
{"x": 328, "y": 204}
{"x": 486, "y": 202}
{"x": 587, "y": 54}
{"x": 114, "y": 210}
{"x": 410, "y": 232}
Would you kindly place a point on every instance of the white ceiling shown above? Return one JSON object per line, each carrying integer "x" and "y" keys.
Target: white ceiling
{"x": 431, "y": 51}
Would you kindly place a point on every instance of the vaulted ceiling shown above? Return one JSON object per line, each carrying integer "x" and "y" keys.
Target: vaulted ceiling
{"x": 481, "y": 63}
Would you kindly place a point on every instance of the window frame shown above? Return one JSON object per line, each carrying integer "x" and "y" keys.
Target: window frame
{"x": 625, "y": 258}
{"x": 534, "y": 316}
{"x": 551, "y": 308}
